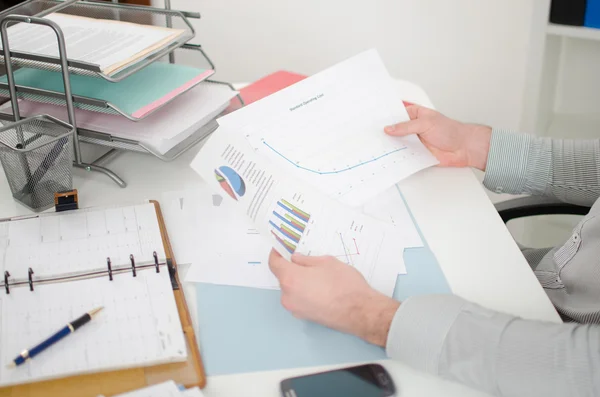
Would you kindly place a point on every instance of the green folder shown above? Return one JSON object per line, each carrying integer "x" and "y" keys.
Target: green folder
{"x": 137, "y": 95}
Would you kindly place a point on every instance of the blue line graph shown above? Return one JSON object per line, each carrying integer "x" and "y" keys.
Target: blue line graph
{"x": 331, "y": 172}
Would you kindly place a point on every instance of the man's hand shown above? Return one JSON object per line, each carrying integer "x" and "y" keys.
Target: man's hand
{"x": 324, "y": 290}
{"x": 453, "y": 143}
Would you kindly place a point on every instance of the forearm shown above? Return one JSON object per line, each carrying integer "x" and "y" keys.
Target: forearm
{"x": 568, "y": 170}
{"x": 500, "y": 354}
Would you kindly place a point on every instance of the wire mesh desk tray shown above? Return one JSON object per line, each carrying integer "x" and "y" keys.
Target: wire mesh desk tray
{"x": 81, "y": 7}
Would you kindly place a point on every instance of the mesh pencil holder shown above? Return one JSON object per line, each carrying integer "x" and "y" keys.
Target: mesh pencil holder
{"x": 37, "y": 157}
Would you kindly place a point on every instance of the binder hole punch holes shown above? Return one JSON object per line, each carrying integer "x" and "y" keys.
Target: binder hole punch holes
{"x": 30, "y": 276}
{"x": 6, "y": 276}
{"x": 132, "y": 265}
{"x": 108, "y": 264}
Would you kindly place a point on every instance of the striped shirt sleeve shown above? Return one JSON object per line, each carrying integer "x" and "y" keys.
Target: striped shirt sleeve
{"x": 565, "y": 169}
{"x": 494, "y": 352}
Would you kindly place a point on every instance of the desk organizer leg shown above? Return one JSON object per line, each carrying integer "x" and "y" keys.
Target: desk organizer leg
{"x": 106, "y": 171}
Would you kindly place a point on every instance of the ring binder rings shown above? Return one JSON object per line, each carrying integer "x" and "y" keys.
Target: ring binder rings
{"x": 83, "y": 284}
{"x": 6, "y": 276}
{"x": 30, "y": 275}
{"x": 110, "y": 276}
{"x": 133, "y": 268}
{"x": 131, "y": 258}
{"x": 156, "y": 264}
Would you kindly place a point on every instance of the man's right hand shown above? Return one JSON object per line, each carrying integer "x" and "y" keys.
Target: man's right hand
{"x": 453, "y": 143}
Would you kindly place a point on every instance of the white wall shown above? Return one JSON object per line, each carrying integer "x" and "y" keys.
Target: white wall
{"x": 579, "y": 80}
{"x": 470, "y": 55}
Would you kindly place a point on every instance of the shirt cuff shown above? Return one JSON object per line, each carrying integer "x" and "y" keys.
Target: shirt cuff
{"x": 419, "y": 329}
{"x": 517, "y": 163}
{"x": 506, "y": 167}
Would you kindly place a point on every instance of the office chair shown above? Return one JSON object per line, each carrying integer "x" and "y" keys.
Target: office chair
{"x": 532, "y": 206}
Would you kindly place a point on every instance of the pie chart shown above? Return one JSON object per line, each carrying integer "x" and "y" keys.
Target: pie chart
{"x": 230, "y": 181}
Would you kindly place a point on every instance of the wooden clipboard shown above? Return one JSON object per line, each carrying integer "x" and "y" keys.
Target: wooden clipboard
{"x": 190, "y": 373}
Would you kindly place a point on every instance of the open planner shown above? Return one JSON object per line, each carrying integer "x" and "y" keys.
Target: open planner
{"x": 57, "y": 266}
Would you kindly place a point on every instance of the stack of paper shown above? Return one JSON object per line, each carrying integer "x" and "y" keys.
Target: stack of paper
{"x": 204, "y": 226}
{"x": 309, "y": 170}
{"x": 166, "y": 389}
{"x": 160, "y": 131}
{"x": 109, "y": 44}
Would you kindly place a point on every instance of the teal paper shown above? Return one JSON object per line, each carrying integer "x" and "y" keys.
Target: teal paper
{"x": 140, "y": 89}
{"x": 247, "y": 329}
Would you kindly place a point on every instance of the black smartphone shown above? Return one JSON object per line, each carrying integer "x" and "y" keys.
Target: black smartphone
{"x": 371, "y": 380}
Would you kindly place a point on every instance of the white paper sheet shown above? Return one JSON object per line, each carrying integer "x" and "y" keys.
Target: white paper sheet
{"x": 205, "y": 229}
{"x": 295, "y": 216}
{"x": 390, "y": 207}
{"x": 106, "y": 43}
{"x": 166, "y": 389}
{"x": 193, "y": 392}
{"x": 328, "y": 130}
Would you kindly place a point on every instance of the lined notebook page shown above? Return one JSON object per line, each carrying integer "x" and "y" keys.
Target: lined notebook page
{"x": 139, "y": 326}
{"x": 68, "y": 242}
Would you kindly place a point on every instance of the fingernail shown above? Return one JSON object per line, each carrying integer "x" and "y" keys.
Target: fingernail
{"x": 389, "y": 128}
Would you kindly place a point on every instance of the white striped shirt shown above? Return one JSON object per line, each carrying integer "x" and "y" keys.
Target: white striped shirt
{"x": 502, "y": 354}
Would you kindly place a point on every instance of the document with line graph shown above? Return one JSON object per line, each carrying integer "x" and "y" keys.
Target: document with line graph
{"x": 328, "y": 130}
{"x": 296, "y": 217}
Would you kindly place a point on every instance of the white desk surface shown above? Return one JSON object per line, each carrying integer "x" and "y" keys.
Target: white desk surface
{"x": 475, "y": 250}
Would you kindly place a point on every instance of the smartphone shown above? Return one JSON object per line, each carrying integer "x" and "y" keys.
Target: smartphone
{"x": 370, "y": 380}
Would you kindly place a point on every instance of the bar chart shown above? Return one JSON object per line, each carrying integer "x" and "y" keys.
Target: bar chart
{"x": 288, "y": 223}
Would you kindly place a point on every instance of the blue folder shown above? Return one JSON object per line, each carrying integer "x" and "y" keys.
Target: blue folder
{"x": 247, "y": 329}
{"x": 592, "y": 14}
{"x": 158, "y": 82}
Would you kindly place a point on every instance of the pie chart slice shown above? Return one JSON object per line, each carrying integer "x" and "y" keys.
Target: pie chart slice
{"x": 231, "y": 182}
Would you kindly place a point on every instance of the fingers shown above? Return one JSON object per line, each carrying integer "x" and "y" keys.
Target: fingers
{"x": 304, "y": 260}
{"x": 417, "y": 126}
{"x": 311, "y": 261}
{"x": 418, "y": 123}
{"x": 413, "y": 111}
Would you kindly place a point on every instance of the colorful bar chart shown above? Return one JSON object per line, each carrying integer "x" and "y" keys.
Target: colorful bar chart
{"x": 288, "y": 222}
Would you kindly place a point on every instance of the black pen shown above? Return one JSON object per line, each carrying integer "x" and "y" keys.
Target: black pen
{"x": 60, "y": 334}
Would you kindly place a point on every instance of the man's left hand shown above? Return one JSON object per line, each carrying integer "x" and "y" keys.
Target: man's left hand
{"x": 327, "y": 291}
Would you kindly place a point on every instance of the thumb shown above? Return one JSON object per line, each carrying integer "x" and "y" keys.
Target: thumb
{"x": 278, "y": 264}
{"x": 304, "y": 260}
{"x": 417, "y": 126}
